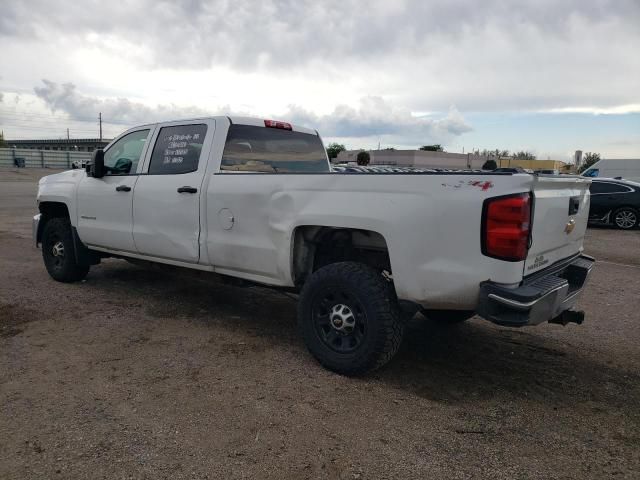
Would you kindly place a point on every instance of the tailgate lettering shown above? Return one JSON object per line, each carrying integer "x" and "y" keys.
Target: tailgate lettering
{"x": 539, "y": 261}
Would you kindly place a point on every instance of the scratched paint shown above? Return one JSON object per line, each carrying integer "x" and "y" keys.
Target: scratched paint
{"x": 484, "y": 185}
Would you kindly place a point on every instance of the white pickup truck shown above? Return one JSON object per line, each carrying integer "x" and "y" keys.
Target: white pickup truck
{"x": 258, "y": 200}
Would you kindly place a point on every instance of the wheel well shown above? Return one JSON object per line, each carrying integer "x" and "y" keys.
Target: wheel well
{"x": 50, "y": 210}
{"x": 54, "y": 209}
{"x": 316, "y": 246}
{"x": 630, "y": 207}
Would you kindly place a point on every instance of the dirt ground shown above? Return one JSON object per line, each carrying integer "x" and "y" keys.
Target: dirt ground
{"x": 135, "y": 373}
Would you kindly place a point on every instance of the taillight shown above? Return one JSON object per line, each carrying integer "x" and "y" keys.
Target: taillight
{"x": 506, "y": 223}
{"x": 277, "y": 124}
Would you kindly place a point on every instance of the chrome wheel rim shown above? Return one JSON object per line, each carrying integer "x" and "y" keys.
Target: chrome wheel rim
{"x": 626, "y": 219}
{"x": 58, "y": 249}
{"x": 339, "y": 320}
{"x": 57, "y": 253}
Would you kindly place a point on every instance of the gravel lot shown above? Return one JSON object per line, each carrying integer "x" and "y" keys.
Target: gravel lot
{"x": 136, "y": 373}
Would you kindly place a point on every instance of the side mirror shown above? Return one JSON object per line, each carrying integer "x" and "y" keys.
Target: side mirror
{"x": 96, "y": 169}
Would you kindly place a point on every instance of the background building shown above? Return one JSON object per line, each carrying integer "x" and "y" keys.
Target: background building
{"x": 428, "y": 159}
{"x": 416, "y": 158}
{"x": 70, "y": 145}
{"x": 534, "y": 164}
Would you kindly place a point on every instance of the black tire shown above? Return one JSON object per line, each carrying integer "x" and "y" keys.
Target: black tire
{"x": 625, "y": 218}
{"x": 58, "y": 252}
{"x": 359, "y": 338}
{"x": 450, "y": 317}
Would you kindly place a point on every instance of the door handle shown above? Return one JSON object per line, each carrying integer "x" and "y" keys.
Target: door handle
{"x": 187, "y": 190}
{"x": 123, "y": 188}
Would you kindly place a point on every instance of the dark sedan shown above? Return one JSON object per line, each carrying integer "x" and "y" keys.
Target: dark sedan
{"x": 615, "y": 202}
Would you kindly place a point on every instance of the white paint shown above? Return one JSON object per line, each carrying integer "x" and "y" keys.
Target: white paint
{"x": 432, "y": 230}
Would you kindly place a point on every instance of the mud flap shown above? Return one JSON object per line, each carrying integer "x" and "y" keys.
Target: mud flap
{"x": 83, "y": 255}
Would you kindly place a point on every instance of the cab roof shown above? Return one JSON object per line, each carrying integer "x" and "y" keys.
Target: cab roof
{"x": 240, "y": 120}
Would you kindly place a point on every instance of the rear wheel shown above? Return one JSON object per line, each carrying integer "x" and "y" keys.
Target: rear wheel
{"x": 58, "y": 252}
{"x": 448, "y": 316}
{"x": 349, "y": 318}
{"x": 625, "y": 218}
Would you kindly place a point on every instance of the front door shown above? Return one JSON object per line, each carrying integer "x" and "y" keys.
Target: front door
{"x": 105, "y": 205}
{"x": 166, "y": 200}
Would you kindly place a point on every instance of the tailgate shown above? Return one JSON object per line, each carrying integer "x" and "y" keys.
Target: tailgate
{"x": 560, "y": 214}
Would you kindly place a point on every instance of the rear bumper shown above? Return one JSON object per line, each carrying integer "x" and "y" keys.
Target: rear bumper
{"x": 545, "y": 297}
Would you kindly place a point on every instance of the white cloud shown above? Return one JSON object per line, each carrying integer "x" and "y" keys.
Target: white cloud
{"x": 481, "y": 56}
{"x": 376, "y": 118}
{"x": 373, "y": 117}
{"x": 348, "y": 67}
{"x": 65, "y": 97}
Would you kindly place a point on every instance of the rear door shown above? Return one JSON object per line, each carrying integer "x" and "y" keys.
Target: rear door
{"x": 166, "y": 199}
{"x": 559, "y": 221}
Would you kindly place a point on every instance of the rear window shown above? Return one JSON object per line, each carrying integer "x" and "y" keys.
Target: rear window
{"x": 272, "y": 150}
{"x": 601, "y": 187}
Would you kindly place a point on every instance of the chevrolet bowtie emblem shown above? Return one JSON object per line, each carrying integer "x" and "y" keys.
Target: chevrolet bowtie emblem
{"x": 568, "y": 228}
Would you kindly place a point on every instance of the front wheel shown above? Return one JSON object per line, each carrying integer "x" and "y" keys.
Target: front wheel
{"x": 625, "y": 218}
{"x": 349, "y": 318}
{"x": 58, "y": 252}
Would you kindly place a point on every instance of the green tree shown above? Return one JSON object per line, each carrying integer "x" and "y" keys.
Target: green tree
{"x": 363, "y": 158}
{"x": 334, "y": 149}
{"x": 522, "y": 155}
{"x": 589, "y": 159}
{"x": 490, "y": 165}
{"x": 432, "y": 148}
{"x": 496, "y": 152}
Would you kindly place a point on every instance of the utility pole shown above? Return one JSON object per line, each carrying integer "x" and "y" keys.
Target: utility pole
{"x": 100, "y": 122}
{"x": 67, "y": 134}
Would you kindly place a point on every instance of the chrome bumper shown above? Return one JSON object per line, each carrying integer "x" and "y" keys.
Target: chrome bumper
{"x": 546, "y": 297}
{"x": 35, "y": 229}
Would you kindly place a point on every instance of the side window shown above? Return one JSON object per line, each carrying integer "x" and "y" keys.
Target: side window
{"x": 602, "y": 187}
{"x": 272, "y": 150}
{"x": 123, "y": 156}
{"x": 593, "y": 172}
{"x": 177, "y": 150}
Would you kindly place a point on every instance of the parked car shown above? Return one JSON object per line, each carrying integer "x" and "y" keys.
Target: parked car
{"x": 615, "y": 202}
{"x": 257, "y": 200}
{"x": 78, "y": 164}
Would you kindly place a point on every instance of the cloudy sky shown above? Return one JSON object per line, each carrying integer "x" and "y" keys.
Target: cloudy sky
{"x": 546, "y": 76}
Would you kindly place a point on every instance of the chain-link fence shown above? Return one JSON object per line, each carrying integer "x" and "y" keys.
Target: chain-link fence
{"x": 14, "y": 157}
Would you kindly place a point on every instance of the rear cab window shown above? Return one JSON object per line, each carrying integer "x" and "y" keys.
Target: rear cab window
{"x": 251, "y": 148}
